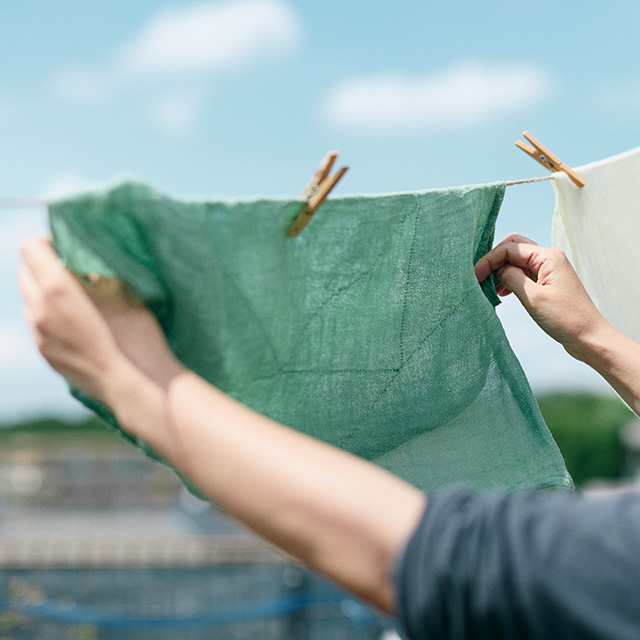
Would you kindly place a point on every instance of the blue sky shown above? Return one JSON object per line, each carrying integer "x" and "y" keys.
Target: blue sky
{"x": 244, "y": 97}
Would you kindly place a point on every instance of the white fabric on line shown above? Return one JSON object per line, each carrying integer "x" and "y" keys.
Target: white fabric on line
{"x": 598, "y": 227}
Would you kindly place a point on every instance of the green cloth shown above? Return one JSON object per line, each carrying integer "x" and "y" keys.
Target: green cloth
{"x": 368, "y": 330}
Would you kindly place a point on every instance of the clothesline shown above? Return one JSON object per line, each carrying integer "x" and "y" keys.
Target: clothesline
{"x": 15, "y": 203}
{"x": 510, "y": 183}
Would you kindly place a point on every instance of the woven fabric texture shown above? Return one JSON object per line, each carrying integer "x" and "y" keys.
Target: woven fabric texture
{"x": 598, "y": 227}
{"x": 368, "y": 330}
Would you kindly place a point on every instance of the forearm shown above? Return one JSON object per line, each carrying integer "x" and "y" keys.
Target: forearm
{"x": 338, "y": 514}
{"x": 616, "y": 358}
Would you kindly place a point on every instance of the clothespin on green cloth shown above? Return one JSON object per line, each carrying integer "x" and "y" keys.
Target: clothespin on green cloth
{"x": 316, "y": 192}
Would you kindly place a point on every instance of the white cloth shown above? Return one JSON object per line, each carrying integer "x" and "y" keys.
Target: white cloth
{"x": 598, "y": 227}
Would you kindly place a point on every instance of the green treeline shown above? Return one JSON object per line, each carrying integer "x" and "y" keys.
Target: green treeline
{"x": 588, "y": 431}
{"x": 586, "y": 427}
{"x": 47, "y": 425}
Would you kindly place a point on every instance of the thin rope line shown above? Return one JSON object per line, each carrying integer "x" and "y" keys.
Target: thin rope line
{"x": 12, "y": 203}
{"x": 512, "y": 182}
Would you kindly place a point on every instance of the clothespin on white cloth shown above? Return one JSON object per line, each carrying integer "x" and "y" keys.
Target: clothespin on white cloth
{"x": 316, "y": 192}
{"x": 547, "y": 159}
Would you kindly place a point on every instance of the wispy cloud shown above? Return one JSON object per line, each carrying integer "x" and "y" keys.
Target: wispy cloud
{"x": 461, "y": 96}
{"x": 177, "y": 44}
{"x": 213, "y": 36}
{"x": 206, "y": 38}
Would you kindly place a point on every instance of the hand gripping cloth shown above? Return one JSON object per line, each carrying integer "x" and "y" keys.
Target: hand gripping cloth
{"x": 368, "y": 330}
{"x": 598, "y": 227}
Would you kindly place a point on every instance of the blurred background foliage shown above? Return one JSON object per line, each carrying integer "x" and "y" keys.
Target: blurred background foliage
{"x": 51, "y": 425}
{"x": 588, "y": 429}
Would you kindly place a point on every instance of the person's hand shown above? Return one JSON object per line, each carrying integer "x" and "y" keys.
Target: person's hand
{"x": 548, "y": 287}
{"x": 89, "y": 333}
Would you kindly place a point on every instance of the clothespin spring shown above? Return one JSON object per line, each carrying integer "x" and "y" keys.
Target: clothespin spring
{"x": 541, "y": 154}
{"x": 316, "y": 192}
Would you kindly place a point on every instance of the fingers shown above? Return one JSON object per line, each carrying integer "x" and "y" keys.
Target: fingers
{"x": 46, "y": 269}
{"x": 501, "y": 290}
{"x": 514, "y": 249}
{"x": 49, "y": 290}
{"x": 514, "y": 279}
{"x": 51, "y": 279}
{"x": 28, "y": 285}
{"x": 30, "y": 293}
{"x": 39, "y": 255}
{"x": 516, "y": 237}
{"x": 108, "y": 291}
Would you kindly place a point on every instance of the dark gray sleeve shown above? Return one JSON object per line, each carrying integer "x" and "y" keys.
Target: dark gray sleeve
{"x": 531, "y": 565}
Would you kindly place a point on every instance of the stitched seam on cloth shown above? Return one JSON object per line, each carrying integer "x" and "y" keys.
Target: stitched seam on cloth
{"x": 256, "y": 319}
{"x": 333, "y": 296}
{"x": 397, "y": 372}
{"x": 283, "y": 370}
{"x": 405, "y": 302}
{"x": 292, "y": 371}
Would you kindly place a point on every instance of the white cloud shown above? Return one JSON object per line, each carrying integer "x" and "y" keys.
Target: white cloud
{"x": 461, "y": 96}
{"x": 176, "y": 114}
{"x": 174, "y": 44}
{"x": 211, "y": 36}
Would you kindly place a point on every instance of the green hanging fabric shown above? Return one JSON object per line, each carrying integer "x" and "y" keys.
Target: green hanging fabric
{"x": 368, "y": 331}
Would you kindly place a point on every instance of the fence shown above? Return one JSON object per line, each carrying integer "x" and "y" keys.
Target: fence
{"x": 187, "y": 587}
{"x": 97, "y": 542}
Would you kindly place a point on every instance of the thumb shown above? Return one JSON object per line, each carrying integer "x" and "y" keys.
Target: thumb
{"x": 518, "y": 281}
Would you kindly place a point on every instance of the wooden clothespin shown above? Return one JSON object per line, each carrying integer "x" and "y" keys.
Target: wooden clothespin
{"x": 316, "y": 192}
{"x": 547, "y": 159}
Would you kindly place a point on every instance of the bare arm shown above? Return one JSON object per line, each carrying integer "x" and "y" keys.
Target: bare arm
{"x": 337, "y": 513}
{"x": 548, "y": 287}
